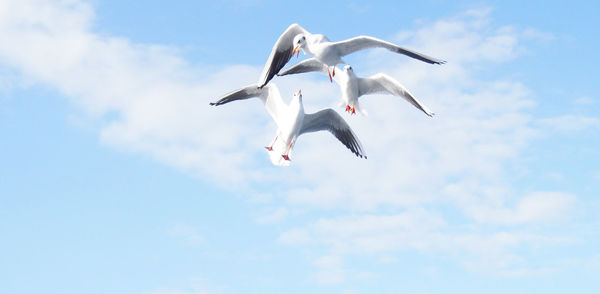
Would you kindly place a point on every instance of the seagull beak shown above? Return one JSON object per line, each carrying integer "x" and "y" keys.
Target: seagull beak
{"x": 296, "y": 50}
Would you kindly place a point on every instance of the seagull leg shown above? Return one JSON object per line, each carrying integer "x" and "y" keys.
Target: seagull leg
{"x": 329, "y": 73}
{"x": 286, "y": 156}
{"x": 353, "y": 110}
{"x": 270, "y": 148}
{"x": 333, "y": 73}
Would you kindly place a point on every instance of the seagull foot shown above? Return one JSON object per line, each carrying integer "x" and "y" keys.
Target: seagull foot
{"x": 350, "y": 109}
{"x": 270, "y": 148}
{"x": 286, "y": 157}
{"x": 330, "y": 79}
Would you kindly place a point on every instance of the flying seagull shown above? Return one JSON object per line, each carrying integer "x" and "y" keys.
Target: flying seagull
{"x": 296, "y": 38}
{"x": 293, "y": 122}
{"x": 354, "y": 87}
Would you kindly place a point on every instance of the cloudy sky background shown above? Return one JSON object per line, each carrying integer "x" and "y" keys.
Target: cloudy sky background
{"x": 117, "y": 177}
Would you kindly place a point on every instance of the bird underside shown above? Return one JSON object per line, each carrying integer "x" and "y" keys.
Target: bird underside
{"x": 280, "y": 152}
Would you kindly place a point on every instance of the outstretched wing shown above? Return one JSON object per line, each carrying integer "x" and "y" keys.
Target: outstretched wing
{"x": 329, "y": 120}
{"x": 382, "y": 83}
{"x": 269, "y": 95}
{"x": 280, "y": 54}
{"x": 308, "y": 65}
{"x": 363, "y": 42}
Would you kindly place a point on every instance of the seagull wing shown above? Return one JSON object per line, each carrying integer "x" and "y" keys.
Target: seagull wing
{"x": 269, "y": 95}
{"x": 363, "y": 42}
{"x": 280, "y": 54}
{"x": 329, "y": 120}
{"x": 307, "y": 65}
{"x": 382, "y": 83}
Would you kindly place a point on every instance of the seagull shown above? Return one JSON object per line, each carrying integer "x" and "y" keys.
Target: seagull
{"x": 354, "y": 87}
{"x": 293, "y": 122}
{"x": 296, "y": 38}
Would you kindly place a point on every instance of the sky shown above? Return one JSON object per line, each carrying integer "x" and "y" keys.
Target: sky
{"x": 116, "y": 176}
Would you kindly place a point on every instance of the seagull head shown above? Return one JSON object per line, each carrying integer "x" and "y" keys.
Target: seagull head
{"x": 298, "y": 43}
{"x": 298, "y": 95}
{"x": 348, "y": 68}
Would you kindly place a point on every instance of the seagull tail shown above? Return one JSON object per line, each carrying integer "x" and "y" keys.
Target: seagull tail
{"x": 360, "y": 109}
{"x": 364, "y": 112}
{"x": 279, "y": 148}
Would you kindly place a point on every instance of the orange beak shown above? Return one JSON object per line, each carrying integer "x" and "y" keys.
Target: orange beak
{"x": 296, "y": 50}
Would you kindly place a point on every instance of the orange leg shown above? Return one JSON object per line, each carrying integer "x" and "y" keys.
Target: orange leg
{"x": 286, "y": 155}
{"x": 328, "y": 73}
{"x": 270, "y": 148}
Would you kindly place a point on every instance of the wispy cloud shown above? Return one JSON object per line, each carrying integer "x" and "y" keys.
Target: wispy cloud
{"x": 190, "y": 234}
{"x": 196, "y": 286}
{"x": 584, "y": 101}
{"x": 275, "y": 216}
{"x": 569, "y": 123}
{"x": 330, "y": 270}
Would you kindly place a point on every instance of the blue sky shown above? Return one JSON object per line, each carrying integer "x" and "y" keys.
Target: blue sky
{"x": 117, "y": 177}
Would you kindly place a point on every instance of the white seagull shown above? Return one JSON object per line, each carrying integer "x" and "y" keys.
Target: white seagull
{"x": 354, "y": 87}
{"x": 330, "y": 53}
{"x": 292, "y": 121}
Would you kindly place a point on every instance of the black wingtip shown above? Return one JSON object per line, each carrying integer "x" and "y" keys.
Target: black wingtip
{"x": 212, "y": 104}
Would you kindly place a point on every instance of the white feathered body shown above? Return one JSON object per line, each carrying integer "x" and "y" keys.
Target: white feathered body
{"x": 287, "y": 132}
{"x": 323, "y": 52}
{"x": 348, "y": 82}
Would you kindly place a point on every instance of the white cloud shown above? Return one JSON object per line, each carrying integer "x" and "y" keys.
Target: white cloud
{"x": 330, "y": 270}
{"x": 536, "y": 207}
{"x": 532, "y": 33}
{"x": 190, "y": 234}
{"x": 493, "y": 205}
{"x": 196, "y": 286}
{"x": 295, "y": 237}
{"x": 147, "y": 97}
{"x": 584, "y": 101}
{"x": 570, "y": 123}
{"x": 476, "y": 249}
{"x": 173, "y": 291}
{"x": 275, "y": 216}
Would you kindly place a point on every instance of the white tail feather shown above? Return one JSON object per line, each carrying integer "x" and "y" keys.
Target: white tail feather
{"x": 279, "y": 148}
{"x": 358, "y": 108}
{"x": 364, "y": 112}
